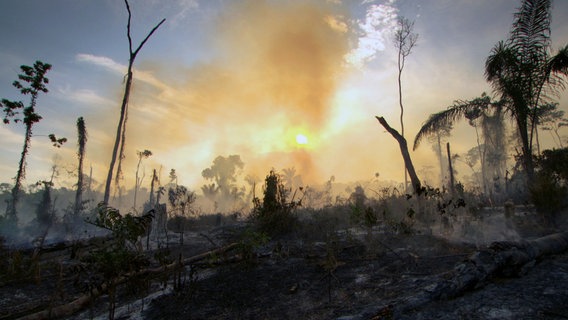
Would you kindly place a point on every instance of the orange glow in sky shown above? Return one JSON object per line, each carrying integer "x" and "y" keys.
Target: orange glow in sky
{"x": 281, "y": 83}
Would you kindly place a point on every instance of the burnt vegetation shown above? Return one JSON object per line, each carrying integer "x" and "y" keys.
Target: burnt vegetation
{"x": 245, "y": 247}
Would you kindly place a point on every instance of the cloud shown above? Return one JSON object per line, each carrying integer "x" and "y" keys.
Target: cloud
{"x": 85, "y": 96}
{"x": 144, "y": 76}
{"x": 184, "y": 7}
{"x": 375, "y": 31}
{"x": 101, "y": 61}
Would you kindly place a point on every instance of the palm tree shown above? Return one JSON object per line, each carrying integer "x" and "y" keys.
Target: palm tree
{"x": 489, "y": 114}
{"x": 522, "y": 71}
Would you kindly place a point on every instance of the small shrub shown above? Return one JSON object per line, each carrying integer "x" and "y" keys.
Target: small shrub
{"x": 249, "y": 242}
{"x": 549, "y": 190}
{"x": 275, "y": 215}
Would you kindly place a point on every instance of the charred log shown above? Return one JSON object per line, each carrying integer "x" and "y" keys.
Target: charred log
{"x": 500, "y": 259}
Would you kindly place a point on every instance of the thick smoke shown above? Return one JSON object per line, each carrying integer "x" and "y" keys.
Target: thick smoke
{"x": 272, "y": 73}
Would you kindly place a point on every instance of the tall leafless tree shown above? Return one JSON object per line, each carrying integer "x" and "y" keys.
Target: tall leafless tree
{"x": 404, "y": 40}
{"x": 121, "y": 128}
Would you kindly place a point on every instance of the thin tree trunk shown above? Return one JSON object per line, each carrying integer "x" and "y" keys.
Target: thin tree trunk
{"x": 537, "y": 139}
{"x": 481, "y": 161}
{"x": 82, "y": 137}
{"x": 12, "y": 213}
{"x": 123, "y": 109}
{"x": 138, "y": 181}
{"x": 400, "y": 67}
{"x": 120, "y": 131}
{"x": 438, "y": 150}
{"x": 527, "y": 150}
{"x": 451, "y": 169}
{"x": 416, "y": 185}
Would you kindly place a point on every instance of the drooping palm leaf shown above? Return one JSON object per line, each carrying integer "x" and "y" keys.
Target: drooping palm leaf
{"x": 557, "y": 69}
{"x": 559, "y": 63}
{"x": 459, "y": 110}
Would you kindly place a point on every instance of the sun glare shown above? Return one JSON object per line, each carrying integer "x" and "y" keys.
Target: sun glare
{"x": 301, "y": 139}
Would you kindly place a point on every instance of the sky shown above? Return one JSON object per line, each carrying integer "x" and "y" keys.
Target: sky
{"x": 247, "y": 77}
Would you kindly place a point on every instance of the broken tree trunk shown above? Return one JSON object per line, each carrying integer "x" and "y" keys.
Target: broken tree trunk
{"x": 121, "y": 129}
{"x": 507, "y": 258}
{"x": 416, "y": 185}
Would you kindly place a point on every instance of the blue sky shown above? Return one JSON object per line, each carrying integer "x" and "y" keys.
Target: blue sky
{"x": 245, "y": 77}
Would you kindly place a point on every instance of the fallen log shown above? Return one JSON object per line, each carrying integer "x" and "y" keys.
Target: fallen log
{"x": 84, "y": 300}
{"x": 506, "y": 259}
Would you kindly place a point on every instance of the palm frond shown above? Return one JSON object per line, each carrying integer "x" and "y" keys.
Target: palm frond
{"x": 530, "y": 35}
{"x": 501, "y": 64}
{"x": 559, "y": 63}
{"x": 448, "y": 117}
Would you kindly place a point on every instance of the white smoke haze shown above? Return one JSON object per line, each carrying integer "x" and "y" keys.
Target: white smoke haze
{"x": 271, "y": 70}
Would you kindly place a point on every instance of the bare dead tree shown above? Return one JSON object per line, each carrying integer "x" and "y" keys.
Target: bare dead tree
{"x": 121, "y": 128}
{"x": 404, "y": 40}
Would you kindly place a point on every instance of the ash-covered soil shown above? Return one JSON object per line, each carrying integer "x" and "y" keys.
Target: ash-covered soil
{"x": 371, "y": 277}
{"x": 314, "y": 281}
{"x": 347, "y": 274}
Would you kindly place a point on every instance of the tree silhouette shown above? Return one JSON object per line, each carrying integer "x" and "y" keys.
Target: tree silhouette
{"x": 404, "y": 40}
{"x": 33, "y": 82}
{"x": 551, "y": 119}
{"x": 409, "y": 166}
{"x": 141, "y": 155}
{"x": 482, "y": 112}
{"x": 121, "y": 128}
{"x": 223, "y": 172}
{"x": 436, "y": 141}
{"x": 524, "y": 73}
{"x": 81, "y": 143}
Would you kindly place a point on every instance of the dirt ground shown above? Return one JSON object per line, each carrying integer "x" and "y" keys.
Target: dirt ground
{"x": 354, "y": 274}
{"x": 365, "y": 285}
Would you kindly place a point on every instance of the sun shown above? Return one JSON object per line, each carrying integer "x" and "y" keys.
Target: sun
{"x": 301, "y": 139}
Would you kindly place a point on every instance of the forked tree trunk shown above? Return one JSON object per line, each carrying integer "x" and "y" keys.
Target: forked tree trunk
{"x": 416, "y": 185}
{"x": 121, "y": 129}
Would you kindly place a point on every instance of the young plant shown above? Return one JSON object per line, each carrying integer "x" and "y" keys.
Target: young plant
{"x": 181, "y": 200}
{"x": 31, "y": 82}
{"x": 124, "y": 254}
